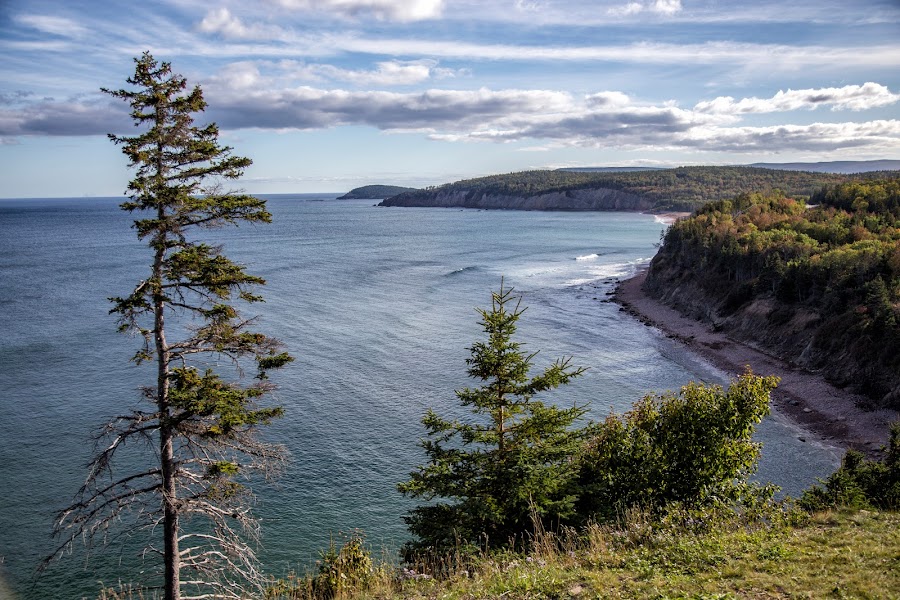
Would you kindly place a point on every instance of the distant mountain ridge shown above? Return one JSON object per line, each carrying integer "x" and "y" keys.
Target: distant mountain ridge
{"x": 609, "y": 169}
{"x": 837, "y": 166}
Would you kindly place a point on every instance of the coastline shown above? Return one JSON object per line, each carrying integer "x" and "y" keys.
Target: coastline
{"x": 829, "y": 415}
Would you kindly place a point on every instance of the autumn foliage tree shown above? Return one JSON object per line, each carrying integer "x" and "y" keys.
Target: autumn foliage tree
{"x": 198, "y": 430}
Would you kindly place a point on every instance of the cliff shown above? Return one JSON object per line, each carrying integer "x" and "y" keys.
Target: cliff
{"x": 818, "y": 287}
{"x": 803, "y": 337}
{"x": 583, "y": 199}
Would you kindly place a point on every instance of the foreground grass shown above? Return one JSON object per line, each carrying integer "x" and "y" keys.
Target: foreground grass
{"x": 847, "y": 554}
{"x": 840, "y": 554}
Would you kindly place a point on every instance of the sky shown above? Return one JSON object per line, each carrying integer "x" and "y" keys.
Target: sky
{"x": 328, "y": 95}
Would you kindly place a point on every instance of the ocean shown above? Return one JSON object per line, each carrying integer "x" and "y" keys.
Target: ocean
{"x": 378, "y": 307}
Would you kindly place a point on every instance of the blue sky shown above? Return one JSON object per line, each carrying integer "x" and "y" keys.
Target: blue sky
{"x": 327, "y": 95}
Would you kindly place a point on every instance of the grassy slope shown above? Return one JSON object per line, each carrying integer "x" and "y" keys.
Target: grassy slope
{"x": 834, "y": 555}
{"x": 845, "y": 554}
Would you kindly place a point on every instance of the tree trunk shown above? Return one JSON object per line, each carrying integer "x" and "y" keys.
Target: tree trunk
{"x": 171, "y": 555}
{"x": 170, "y": 519}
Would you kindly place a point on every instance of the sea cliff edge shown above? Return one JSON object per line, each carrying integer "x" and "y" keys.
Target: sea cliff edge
{"x": 826, "y": 412}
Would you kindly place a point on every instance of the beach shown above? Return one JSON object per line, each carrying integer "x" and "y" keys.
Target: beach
{"x": 826, "y": 413}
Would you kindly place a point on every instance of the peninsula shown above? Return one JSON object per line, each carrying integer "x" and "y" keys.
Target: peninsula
{"x": 375, "y": 192}
{"x": 659, "y": 190}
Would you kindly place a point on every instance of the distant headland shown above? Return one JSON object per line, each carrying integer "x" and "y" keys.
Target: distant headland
{"x": 375, "y": 192}
{"x": 648, "y": 190}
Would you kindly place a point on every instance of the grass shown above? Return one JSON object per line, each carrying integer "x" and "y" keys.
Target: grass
{"x": 837, "y": 554}
{"x": 841, "y": 554}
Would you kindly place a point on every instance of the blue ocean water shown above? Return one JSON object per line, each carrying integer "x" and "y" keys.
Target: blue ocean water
{"x": 378, "y": 307}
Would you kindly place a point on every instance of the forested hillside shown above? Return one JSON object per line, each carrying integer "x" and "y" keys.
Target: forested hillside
{"x": 816, "y": 282}
{"x": 682, "y": 189}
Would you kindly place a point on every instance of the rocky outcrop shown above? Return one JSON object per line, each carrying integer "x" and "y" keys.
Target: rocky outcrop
{"x": 580, "y": 200}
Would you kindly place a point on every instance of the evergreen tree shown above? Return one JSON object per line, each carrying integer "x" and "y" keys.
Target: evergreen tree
{"x": 197, "y": 429}
{"x": 510, "y": 462}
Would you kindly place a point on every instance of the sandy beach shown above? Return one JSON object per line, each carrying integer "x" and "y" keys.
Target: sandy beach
{"x": 828, "y": 414}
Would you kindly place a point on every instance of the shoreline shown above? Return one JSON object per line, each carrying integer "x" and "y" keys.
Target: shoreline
{"x": 827, "y": 414}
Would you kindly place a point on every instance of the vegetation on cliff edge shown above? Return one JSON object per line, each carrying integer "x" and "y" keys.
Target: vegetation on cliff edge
{"x": 826, "y": 275}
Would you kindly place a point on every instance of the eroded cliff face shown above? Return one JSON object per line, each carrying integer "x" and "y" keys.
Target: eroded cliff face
{"x": 585, "y": 199}
{"x": 797, "y": 334}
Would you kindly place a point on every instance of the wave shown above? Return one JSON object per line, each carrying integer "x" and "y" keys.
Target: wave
{"x": 461, "y": 270}
{"x": 622, "y": 270}
{"x": 588, "y": 257}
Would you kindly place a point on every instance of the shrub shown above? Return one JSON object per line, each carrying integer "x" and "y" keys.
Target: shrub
{"x": 860, "y": 483}
{"x": 345, "y": 571}
{"x": 692, "y": 447}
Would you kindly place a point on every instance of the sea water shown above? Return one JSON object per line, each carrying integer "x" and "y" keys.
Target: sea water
{"x": 378, "y": 307}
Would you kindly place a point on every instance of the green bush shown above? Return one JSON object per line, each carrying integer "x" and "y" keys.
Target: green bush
{"x": 343, "y": 571}
{"x": 860, "y": 483}
{"x": 693, "y": 447}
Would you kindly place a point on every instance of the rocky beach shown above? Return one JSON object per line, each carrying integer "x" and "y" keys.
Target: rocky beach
{"x": 831, "y": 415}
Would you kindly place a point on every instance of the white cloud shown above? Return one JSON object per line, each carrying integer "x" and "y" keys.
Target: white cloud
{"x": 386, "y": 10}
{"x": 666, "y": 7}
{"x": 882, "y": 136}
{"x": 386, "y": 73}
{"x": 626, "y": 10}
{"x": 221, "y": 21}
{"x": 850, "y": 97}
{"x": 250, "y": 74}
{"x": 246, "y": 96}
{"x": 659, "y": 7}
{"x": 53, "y": 25}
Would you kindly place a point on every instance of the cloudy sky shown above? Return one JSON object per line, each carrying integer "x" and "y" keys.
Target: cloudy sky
{"x": 327, "y": 95}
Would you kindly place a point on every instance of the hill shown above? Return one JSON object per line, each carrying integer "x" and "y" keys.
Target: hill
{"x": 817, "y": 284}
{"x": 659, "y": 190}
{"x": 838, "y": 166}
{"x": 375, "y": 192}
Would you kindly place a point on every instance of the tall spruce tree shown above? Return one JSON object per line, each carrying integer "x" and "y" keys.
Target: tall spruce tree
{"x": 199, "y": 431}
{"x": 510, "y": 462}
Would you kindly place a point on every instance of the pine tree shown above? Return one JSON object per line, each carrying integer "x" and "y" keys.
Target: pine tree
{"x": 510, "y": 462}
{"x": 198, "y": 430}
